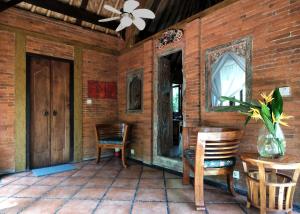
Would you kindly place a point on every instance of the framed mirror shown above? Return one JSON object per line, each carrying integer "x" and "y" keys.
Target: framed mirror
{"x": 228, "y": 72}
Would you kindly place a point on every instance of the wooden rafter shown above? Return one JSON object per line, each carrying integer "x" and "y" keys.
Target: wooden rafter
{"x": 5, "y": 4}
{"x": 84, "y": 4}
{"x": 72, "y": 11}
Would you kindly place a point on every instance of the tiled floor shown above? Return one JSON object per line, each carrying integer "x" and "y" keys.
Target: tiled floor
{"x": 108, "y": 188}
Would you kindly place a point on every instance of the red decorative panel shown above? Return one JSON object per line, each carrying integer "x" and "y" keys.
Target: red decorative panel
{"x": 102, "y": 90}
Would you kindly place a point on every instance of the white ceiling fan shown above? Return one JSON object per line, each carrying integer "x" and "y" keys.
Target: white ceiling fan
{"x": 129, "y": 15}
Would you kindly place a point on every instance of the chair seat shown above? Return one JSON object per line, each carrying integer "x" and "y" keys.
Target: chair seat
{"x": 111, "y": 140}
{"x": 189, "y": 154}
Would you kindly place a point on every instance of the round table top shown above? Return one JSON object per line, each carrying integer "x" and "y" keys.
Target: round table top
{"x": 286, "y": 160}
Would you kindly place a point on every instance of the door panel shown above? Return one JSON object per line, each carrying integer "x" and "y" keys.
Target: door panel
{"x": 165, "y": 117}
{"x": 60, "y": 110}
{"x": 40, "y": 112}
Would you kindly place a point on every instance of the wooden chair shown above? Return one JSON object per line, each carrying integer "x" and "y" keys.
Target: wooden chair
{"x": 213, "y": 154}
{"x": 111, "y": 136}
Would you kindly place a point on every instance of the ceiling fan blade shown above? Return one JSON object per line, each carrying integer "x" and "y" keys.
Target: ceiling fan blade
{"x": 112, "y": 9}
{"x": 130, "y": 5}
{"x": 143, "y": 13}
{"x": 109, "y": 19}
{"x": 139, "y": 23}
{"x": 126, "y": 21}
{"x": 120, "y": 27}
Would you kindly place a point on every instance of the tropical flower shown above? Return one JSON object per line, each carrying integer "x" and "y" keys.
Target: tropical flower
{"x": 255, "y": 114}
{"x": 280, "y": 118}
{"x": 267, "y": 98}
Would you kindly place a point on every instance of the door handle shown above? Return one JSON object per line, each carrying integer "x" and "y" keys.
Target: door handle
{"x": 46, "y": 113}
{"x": 54, "y": 113}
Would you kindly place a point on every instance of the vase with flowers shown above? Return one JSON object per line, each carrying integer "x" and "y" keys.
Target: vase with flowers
{"x": 271, "y": 141}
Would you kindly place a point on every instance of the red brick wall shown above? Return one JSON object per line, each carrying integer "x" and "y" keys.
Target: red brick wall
{"x": 7, "y": 100}
{"x": 53, "y": 38}
{"x": 274, "y": 27}
{"x": 101, "y": 67}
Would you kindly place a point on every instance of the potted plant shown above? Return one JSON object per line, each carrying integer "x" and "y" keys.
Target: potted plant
{"x": 271, "y": 142}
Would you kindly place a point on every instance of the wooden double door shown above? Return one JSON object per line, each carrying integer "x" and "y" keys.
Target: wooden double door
{"x": 49, "y": 111}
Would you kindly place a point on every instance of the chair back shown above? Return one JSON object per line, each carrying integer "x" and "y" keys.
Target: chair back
{"x": 111, "y": 130}
{"x": 219, "y": 143}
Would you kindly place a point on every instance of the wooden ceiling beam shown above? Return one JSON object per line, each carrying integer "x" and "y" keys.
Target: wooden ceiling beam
{"x": 5, "y": 4}
{"x": 73, "y": 11}
{"x": 84, "y": 4}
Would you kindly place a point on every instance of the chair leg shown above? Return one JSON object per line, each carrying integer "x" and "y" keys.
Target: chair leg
{"x": 99, "y": 154}
{"x": 123, "y": 157}
{"x": 230, "y": 184}
{"x": 199, "y": 191}
{"x": 186, "y": 173}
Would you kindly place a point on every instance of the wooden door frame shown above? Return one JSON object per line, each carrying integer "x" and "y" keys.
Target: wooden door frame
{"x": 165, "y": 162}
{"x": 28, "y": 104}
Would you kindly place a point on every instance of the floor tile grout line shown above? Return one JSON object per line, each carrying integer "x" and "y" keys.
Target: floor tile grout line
{"x": 136, "y": 190}
{"x": 107, "y": 190}
{"x": 54, "y": 186}
{"x": 166, "y": 192}
{"x": 80, "y": 188}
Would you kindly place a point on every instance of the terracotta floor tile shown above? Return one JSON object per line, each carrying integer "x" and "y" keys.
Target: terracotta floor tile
{"x": 170, "y": 175}
{"x": 14, "y": 205}
{"x": 107, "y": 173}
{"x": 99, "y": 182}
{"x": 27, "y": 180}
{"x": 152, "y": 183}
{"x": 44, "y": 206}
{"x": 152, "y": 174}
{"x": 114, "y": 207}
{"x": 63, "y": 174}
{"x": 177, "y": 183}
{"x": 22, "y": 174}
{"x": 125, "y": 183}
{"x": 78, "y": 207}
{"x": 93, "y": 167}
{"x": 8, "y": 179}
{"x": 217, "y": 196}
{"x": 62, "y": 192}
{"x": 149, "y": 208}
{"x": 130, "y": 174}
{"x": 84, "y": 173}
{"x": 118, "y": 194}
{"x": 76, "y": 181}
{"x": 151, "y": 195}
{"x": 90, "y": 193}
{"x": 180, "y": 195}
{"x": 10, "y": 190}
{"x": 50, "y": 181}
{"x": 33, "y": 191}
{"x": 180, "y": 208}
{"x": 224, "y": 208}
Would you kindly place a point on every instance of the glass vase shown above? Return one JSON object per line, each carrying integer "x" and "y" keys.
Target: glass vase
{"x": 269, "y": 145}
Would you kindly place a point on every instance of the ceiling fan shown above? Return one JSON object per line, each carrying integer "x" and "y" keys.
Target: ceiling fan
{"x": 129, "y": 15}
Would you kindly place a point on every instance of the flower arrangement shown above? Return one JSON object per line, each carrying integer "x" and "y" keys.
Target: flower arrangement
{"x": 269, "y": 111}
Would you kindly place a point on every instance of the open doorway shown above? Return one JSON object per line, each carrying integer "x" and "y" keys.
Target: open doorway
{"x": 168, "y": 119}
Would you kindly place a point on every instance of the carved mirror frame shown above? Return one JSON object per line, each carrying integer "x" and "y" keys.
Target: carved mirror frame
{"x": 131, "y": 75}
{"x": 242, "y": 47}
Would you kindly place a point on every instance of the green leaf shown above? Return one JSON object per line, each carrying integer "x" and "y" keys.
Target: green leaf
{"x": 277, "y": 103}
{"x": 241, "y": 109}
{"x": 267, "y": 118}
{"x": 247, "y": 120}
{"x": 248, "y": 104}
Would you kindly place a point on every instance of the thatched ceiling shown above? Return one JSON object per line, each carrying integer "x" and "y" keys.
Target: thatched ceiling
{"x": 85, "y": 13}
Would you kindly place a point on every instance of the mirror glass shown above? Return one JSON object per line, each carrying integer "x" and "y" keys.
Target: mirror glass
{"x": 228, "y": 73}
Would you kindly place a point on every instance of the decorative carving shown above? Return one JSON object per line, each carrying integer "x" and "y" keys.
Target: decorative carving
{"x": 170, "y": 36}
{"x": 135, "y": 91}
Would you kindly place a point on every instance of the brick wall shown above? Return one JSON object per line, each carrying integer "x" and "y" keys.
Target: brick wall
{"x": 101, "y": 67}
{"x": 57, "y": 39}
{"x": 7, "y": 101}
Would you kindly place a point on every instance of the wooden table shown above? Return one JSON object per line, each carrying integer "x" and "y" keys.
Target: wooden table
{"x": 268, "y": 188}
